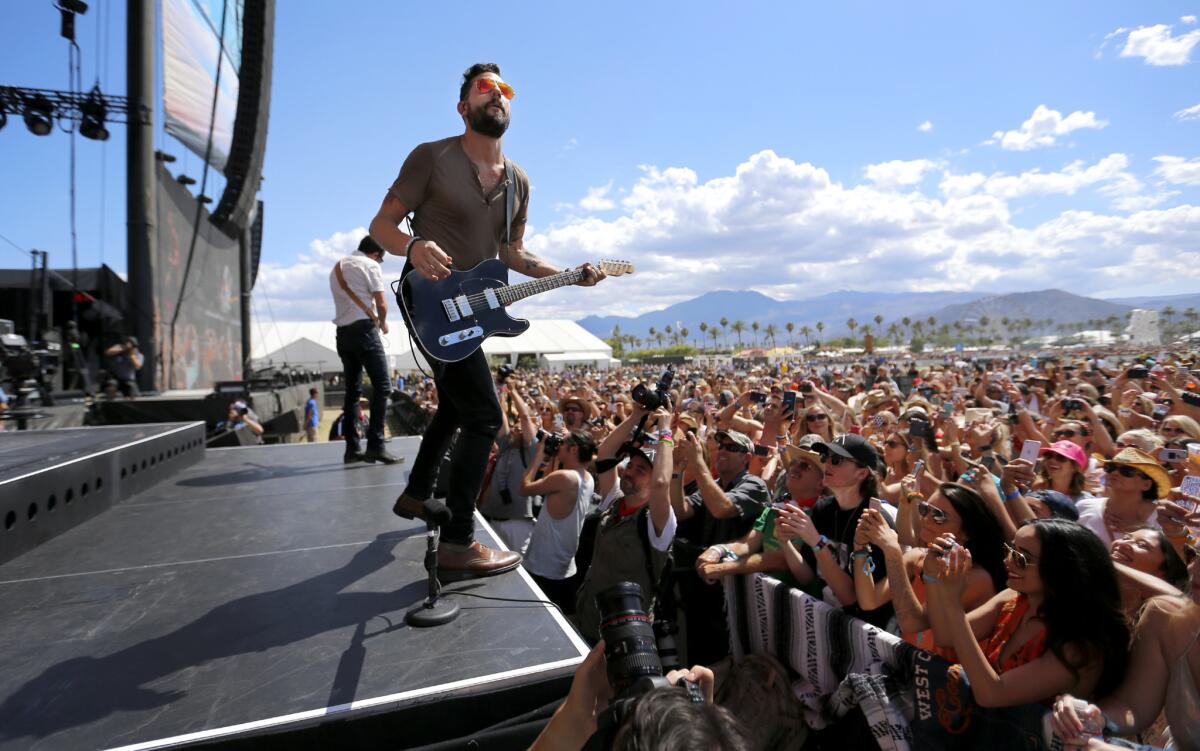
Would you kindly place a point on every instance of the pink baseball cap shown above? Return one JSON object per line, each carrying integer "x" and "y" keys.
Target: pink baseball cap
{"x": 1067, "y": 450}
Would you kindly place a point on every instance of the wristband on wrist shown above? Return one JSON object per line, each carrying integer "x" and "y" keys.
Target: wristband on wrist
{"x": 929, "y": 579}
{"x": 914, "y": 497}
{"x": 861, "y": 553}
{"x": 412, "y": 241}
{"x": 1012, "y": 496}
{"x": 822, "y": 543}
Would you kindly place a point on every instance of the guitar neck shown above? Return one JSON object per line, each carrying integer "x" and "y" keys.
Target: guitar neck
{"x": 514, "y": 292}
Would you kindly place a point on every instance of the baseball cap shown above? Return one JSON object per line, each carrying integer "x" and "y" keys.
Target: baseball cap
{"x": 852, "y": 446}
{"x": 739, "y": 438}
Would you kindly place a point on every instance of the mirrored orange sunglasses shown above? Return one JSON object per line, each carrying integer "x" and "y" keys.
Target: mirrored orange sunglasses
{"x": 485, "y": 85}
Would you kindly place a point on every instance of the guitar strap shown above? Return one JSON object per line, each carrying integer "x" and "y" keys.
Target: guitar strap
{"x": 337, "y": 271}
{"x": 509, "y": 191}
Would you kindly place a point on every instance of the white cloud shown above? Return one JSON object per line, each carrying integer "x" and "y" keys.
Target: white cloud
{"x": 1191, "y": 113}
{"x": 896, "y": 174}
{"x": 596, "y": 200}
{"x": 925, "y": 127}
{"x": 300, "y": 291}
{"x": 1043, "y": 128}
{"x": 1156, "y": 45}
{"x": 1188, "y": 19}
{"x": 785, "y": 228}
{"x": 1177, "y": 170}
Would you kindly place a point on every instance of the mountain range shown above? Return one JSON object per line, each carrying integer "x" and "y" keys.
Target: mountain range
{"x": 835, "y": 308}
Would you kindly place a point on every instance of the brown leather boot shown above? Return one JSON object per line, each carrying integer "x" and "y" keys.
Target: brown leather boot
{"x": 458, "y": 562}
{"x": 408, "y": 507}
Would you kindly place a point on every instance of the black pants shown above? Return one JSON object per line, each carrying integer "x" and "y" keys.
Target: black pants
{"x": 359, "y": 347}
{"x": 467, "y": 402}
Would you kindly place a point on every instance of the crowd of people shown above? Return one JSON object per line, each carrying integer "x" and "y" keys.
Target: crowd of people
{"x": 1029, "y": 519}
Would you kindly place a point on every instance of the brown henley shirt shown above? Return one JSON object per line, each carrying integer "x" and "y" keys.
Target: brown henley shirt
{"x": 440, "y": 185}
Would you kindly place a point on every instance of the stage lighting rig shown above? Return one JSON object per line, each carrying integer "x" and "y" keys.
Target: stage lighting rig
{"x": 93, "y": 113}
{"x": 39, "y": 115}
{"x": 93, "y": 110}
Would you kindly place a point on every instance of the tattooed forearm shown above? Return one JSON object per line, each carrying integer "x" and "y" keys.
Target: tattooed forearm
{"x": 531, "y": 265}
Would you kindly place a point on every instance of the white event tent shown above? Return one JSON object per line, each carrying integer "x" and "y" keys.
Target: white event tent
{"x": 311, "y": 345}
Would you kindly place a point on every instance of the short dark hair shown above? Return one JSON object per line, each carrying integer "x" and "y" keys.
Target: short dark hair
{"x": 368, "y": 245}
{"x": 585, "y": 443}
{"x": 470, "y": 73}
{"x": 666, "y": 720}
{"x": 312, "y": 392}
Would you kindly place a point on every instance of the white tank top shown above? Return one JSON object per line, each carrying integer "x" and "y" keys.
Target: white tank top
{"x": 552, "y": 546}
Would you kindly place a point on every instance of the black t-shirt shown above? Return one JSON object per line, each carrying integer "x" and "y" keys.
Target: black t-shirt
{"x": 747, "y": 492}
{"x": 838, "y": 525}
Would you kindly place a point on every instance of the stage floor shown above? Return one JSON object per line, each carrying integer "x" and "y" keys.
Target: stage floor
{"x": 259, "y": 589}
{"x": 28, "y": 451}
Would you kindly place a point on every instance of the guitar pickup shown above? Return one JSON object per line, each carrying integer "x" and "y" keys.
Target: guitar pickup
{"x": 474, "y": 332}
{"x": 489, "y": 294}
{"x": 451, "y": 309}
{"x": 464, "y": 307}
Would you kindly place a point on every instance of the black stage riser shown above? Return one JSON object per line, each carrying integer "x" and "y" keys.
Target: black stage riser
{"x": 39, "y": 505}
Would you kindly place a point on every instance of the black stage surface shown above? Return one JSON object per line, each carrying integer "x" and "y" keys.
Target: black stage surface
{"x": 259, "y": 590}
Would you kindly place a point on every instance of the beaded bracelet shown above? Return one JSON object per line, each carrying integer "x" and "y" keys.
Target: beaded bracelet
{"x": 929, "y": 579}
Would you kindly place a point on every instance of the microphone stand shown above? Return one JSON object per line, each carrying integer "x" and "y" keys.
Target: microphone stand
{"x": 433, "y": 611}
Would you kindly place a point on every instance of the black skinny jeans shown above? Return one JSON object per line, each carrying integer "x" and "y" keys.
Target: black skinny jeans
{"x": 467, "y": 401}
{"x": 359, "y": 347}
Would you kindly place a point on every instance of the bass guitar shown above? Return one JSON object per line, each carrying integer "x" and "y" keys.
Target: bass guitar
{"x": 451, "y": 318}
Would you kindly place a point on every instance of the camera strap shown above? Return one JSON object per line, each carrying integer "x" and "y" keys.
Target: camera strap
{"x": 664, "y": 597}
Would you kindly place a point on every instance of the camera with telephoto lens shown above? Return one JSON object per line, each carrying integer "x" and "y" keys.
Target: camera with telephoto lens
{"x": 632, "y": 650}
{"x": 503, "y": 372}
{"x": 660, "y": 396}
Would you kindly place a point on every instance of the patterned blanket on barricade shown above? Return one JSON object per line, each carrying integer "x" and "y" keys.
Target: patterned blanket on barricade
{"x": 910, "y": 698}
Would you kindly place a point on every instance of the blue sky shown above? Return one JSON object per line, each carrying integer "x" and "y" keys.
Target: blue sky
{"x": 773, "y": 146}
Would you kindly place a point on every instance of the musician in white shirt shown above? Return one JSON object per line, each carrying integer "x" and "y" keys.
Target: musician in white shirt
{"x": 360, "y": 313}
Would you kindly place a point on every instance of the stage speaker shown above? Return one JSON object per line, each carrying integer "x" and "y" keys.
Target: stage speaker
{"x": 406, "y": 417}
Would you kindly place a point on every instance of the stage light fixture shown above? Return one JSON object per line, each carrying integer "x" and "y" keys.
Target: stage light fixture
{"x": 204, "y": 199}
{"x": 163, "y": 156}
{"x": 93, "y": 112}
{"x": 185, "y": 180}
{"x": 39, "y": 115}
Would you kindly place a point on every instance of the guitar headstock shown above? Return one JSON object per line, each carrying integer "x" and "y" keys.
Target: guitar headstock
{"x": 616, "y": 268}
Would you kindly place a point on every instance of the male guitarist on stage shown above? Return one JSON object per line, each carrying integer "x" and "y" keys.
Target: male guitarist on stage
{"x": 457, "y": 191}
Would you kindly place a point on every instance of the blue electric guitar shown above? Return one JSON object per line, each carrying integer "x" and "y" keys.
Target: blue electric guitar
{"x": 451, "y": 317}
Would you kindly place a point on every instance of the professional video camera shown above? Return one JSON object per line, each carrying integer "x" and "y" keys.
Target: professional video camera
{"x": 633, "y": 652}
{"x": 27, "y": 371}
{"x": 660, "y": 396}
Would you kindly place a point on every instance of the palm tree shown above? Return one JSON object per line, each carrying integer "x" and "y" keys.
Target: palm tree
{"x": 805, "y": 331}
{"x": 754, "y": 326}
{"x": 715, "y": 332}
{"x": 683, "y": 335}
{"x": 879, "y": 322}
{"x": 770, "y": 332}
{"x": 703, "y": 332}
{"x": 791, "y": 327}
{"x": 669, "y": 331}
{"x": 821, "y": 332}
{"x": 931, "y": 321}
{"x": 852, "y": 325}
{"x": 738, "y": 327}
{"x": 865, "y": 330}
{"x": 893, "y": 333}
{"x": 725, "y": 324}
{"x": 653, "y": 333}
{"x": 907, "y": 322}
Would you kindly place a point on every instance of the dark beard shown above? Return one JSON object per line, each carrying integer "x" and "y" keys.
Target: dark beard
{"x": 483, "y": 122}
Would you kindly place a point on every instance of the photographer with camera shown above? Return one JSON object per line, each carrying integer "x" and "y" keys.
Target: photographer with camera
{"x": 550, "y": 556}
{"x": 507, "y": 509}
{"x": 665, "y": 718}
{"x": 241, "y": 417}
{"x": 634, "y": 536}
{"x": 124, "y": 361}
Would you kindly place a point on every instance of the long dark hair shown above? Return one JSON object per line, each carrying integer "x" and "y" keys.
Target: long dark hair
{"x": 985, "y": 536}
{"x": 1082, "y": 605}
{"x": 1174, "y": 570}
